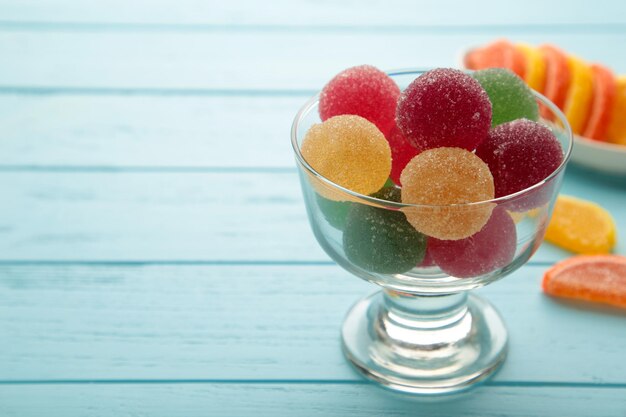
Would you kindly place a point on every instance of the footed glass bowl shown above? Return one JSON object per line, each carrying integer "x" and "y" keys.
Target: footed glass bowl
{"x": 422, "y": 332}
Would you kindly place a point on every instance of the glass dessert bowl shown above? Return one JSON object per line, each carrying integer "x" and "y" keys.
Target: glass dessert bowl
{"x": 422, "y": 332}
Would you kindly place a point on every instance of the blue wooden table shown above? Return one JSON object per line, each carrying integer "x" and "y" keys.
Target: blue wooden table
{"x": 155, "y": 257}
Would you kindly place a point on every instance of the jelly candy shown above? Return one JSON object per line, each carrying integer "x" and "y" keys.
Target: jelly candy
{"x": 581, "y": 226}
{"x": 437, "y": 178}
{"x": 349, "y": 151}
{"x": 616, "y": 132}
{"x": 558, "y": 76}
{"x": 520, "y": 153}
{"x": 501, "y": 53}
{"x": 493, "y": 247}
{"x": 535, "y": 75}
{"x": 401, "y": 153}
{"x": 595, "y": 278}
{"x": 604, "y": 89}
{"x": 579, "y": 95}
{"x": 510, "y": 97}
{"x": 444, "y": 107}
{"x": 381, "y": 240}
{"x": 363, "y": 91}
{"x": 335, "y": 212}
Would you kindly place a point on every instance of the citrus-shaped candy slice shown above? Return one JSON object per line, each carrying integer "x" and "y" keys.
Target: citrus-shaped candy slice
{"x": 500, "y": 54}
{"x": 581, "y": 226}
{"x": 535, "y": 75}
{"x": 616, "y": 132}
{"x": 604, "y": 87}
{"x": 596, "y": 278}
{"x": 579, "y": 95}
{"x": 558, "y": 76}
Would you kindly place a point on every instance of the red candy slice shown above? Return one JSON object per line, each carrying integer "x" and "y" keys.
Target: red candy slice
{"x": 604, "y": 92}
{"x": 596, "y": 278}
{"x": 363, "y": 91}
{"x": 444, "y": 108}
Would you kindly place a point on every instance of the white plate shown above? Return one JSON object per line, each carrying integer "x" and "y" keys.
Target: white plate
{"x": 600, "y": 156}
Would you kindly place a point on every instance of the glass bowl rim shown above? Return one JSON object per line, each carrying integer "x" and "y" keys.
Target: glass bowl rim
{"x": 369, "y": 200}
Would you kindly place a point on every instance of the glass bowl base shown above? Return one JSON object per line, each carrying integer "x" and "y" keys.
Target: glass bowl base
{"x": 424, "y": 344}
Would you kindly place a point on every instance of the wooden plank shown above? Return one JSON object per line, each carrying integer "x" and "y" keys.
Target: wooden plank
{"x": 303, "y": 400}
{"x": 209, "y": 216}
{"x": 236, "y": 322}
{"x": 295, "y": 13}
{"x": 244, "y": 61}
{"x": 146, "y": 131}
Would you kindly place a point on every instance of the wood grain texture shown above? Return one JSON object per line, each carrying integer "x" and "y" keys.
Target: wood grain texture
{"x": 217, "y": 60}
{"x": 303, "y": 12}
{"x": 121, "y": 216}
{"x": 303, "y": 400}
{"x": 247, "y": 322}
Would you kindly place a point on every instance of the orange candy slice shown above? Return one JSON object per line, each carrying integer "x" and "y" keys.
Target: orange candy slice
{"x": 500, "y": 54}
{"x": 595, "y": 278}
{"x": 579, "y": 95}
{"x": 616, "y": 132}
{"x": 535, "y": 74}
{"x": 558, "y": 76}
{"x": 581, "y": 226}
{"x": 604, "y": 91}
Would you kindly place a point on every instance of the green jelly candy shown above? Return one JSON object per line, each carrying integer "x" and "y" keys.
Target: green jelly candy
{"x": 380, "y": 240}
{"x": 510, "y": 97}
{"x": 335, "y": 212}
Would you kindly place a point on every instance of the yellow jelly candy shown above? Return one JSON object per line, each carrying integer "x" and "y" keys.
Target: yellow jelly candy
{"x": 441, "y": 181}
{"x": 579, "y": 94}
{"x": 581, "y": 226}
{"x": 535, "y": 75}
{"x": 350, "y": 151}
{"x": 616, "y": 132}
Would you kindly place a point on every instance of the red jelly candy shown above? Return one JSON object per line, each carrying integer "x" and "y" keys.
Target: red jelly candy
{"x": 401, "y": 153}
{"x": 519, "y": 154}
{"x": 363, "y": 91}
{"x": 491, "y": 248}
{"x": 444, "y": 107}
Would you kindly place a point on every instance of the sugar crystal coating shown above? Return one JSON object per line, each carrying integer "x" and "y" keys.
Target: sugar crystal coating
{"x": 349, "y": 151}
{"x": 381, "y": 240}
{"x": 444, "y": 107}
{"x": 520, "y": 154}
{"x": 493, "y": 247}
{"x": 510, "y": 97}
{"x": 401, "y": 153}
{"x": 364, "y": 91}
{"x": 437, "y": 178}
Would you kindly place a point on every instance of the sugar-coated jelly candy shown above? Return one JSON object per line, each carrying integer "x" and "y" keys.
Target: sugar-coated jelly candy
{"x": 349, "y": 151}
{"x": 440, "y": 177}
{"x": 581, "y": 226}
{"x": 510, "y": 97}
{"x": 500, "y": 53}
{"x": 444, "y": 108}
{"x": 579, "y": 95}
{"x": 363, "y": 91}
{"x": 604, "y": 92}
{"x": 335, "y": 212}
{"x": 520, "y": 153}
{"x": 616, "y": 132}
{"x": 493, "y": 247}
{"x": 381, "y": 240}
{"x": 558, "y": 76}
{"x": 595, "y": 278}
{"x": 401, "y": 153}
{"x": 535, "y": 74}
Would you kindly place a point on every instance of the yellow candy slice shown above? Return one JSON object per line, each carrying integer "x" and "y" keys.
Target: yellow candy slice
{"x": 535, "y": 75}
{"x": 616, "y": 132}
{"x": 581, "y": 226}
{"x": 579, "y": 95}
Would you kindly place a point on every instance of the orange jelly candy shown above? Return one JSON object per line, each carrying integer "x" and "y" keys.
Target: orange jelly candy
{"x": 595, "y": 278}
{"x": 604, "y": 89}
{"x": 558, "y": 76}
{"x": 616, "y": 132}
{"x": 501, "y": 54}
